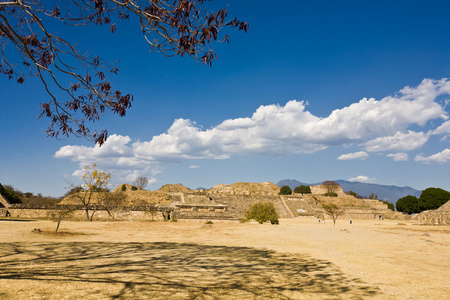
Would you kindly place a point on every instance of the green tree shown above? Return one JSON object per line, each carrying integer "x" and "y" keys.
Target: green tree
{"x": 373, "y": 197}
{"x": 10, "y": 194}
{"x": 285, "y": 190}
{"x": 432, "y": 198}
{"x": 389, "y": 204}
{"x": 408, "y": 204}
{"x": 303, "y": 189}
{"x": 262, "y": 212}
{"x": 333, "y": 211}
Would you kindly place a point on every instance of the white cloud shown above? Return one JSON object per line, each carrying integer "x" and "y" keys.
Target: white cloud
{"x": 116, "y": 156}
{"x": 398, "y": 142}
{"x": 275, "y": 130}
{"x": 363, "y": 179}
{"x": 441, "y": 157}
{"x": 194, "y": 167}
{"x": 400, "y": 156}
{"x": 356, "y": 155}
{"x": 443, "y": 129}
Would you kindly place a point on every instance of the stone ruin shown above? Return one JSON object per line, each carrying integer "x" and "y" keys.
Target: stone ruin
{"x": 440, "y": 216}
{"x": 222, "y": 202}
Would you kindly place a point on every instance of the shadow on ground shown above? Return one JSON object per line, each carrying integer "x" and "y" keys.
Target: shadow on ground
{"x": 161, "y": 270}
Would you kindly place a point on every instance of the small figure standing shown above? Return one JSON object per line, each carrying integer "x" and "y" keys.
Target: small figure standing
{"x": 323, "y": 221}
{"x": 319, "y": 221}
{"x": 350, "y": 220}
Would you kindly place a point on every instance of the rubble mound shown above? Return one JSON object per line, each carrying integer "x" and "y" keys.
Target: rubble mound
{"x": 174, "y": 188}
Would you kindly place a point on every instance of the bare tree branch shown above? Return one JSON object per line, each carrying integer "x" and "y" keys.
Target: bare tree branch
{"x": 29, "y": 48}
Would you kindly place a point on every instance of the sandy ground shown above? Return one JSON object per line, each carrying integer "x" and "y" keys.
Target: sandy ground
{"x": 298, "y": 259}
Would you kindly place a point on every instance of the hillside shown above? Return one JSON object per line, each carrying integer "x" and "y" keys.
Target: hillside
{"x": 390, "y": 193}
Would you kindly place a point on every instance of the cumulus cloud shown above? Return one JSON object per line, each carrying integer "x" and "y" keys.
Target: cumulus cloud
{"x": 356, "y": 155}
{"x": 283, "y": 130}
{"x": 441, "y": 157}
{"x": 276, "y": 130}
{"x": 363, "y": 179}
{"x": 400, "y": 156}
{"x": 400, "y": 141}
{"x": 116, "y": 156}
{"x": 443, "y": 129}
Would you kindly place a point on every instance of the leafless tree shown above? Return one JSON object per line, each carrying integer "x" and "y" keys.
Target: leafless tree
{"x": 330, "y": 186}
{"x": 141, "y": 182}
{"x": 31, "y": 46}
{"x": 333, "y": 211}
{"x": 58, "y": 214}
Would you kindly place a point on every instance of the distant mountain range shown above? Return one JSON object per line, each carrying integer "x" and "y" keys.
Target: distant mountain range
{"x": 390, "y": 193}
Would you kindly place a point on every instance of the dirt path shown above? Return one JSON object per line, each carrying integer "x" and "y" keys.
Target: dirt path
{"x": 298, "y": 259}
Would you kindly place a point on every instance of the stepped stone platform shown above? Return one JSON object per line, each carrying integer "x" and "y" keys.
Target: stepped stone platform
{"x": 222, "y": 202}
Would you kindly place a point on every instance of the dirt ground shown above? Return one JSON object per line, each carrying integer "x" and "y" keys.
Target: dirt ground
{"x": 298, "y": 259}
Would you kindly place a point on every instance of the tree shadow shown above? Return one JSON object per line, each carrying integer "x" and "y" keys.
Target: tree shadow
{"x": 176, "y": 270}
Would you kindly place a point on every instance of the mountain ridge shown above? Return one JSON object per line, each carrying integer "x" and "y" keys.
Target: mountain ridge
{"x": 389, "y": 193}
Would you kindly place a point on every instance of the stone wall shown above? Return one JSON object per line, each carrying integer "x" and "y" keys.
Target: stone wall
{"x": 130, "y": 214}
{"x": 440, "y": 216}
{"x": 203, "y": 211}
{"x": 434, "y": 218}
{"x": 239, "y": 204}
{"x": 300, "y": 205}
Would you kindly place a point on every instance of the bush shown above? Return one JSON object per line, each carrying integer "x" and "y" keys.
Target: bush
{"x": 133, "y": 188}
{"x": 331, "y": 194}
{"x": 262, "y": 212}
{"x": 285, "y": 190}
{"x": 124, "y": 188}
{"x": 354, "y": 194}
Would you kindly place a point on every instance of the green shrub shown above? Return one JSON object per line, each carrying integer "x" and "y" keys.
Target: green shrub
{"x": 331, "y": 194}
{"x": 354, "y": 194}
{"x": 262, "y": 212}
{"x": 209, "y": 222}
{"x": 133, "y": 188}
{"x": 124, "y": 188}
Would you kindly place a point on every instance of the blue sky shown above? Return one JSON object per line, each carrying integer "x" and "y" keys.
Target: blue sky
{"x": 316, "y": 90}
